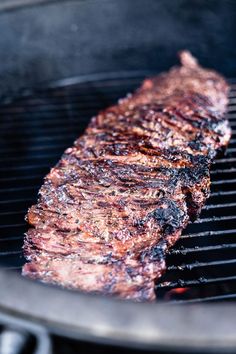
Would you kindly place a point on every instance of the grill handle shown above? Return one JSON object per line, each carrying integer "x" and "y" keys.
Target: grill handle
{"x": 14, "y": 337}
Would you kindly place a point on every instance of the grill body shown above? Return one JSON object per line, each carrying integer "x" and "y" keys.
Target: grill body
{"x": 35, "y": 130}
{"x": 54, "y": 39}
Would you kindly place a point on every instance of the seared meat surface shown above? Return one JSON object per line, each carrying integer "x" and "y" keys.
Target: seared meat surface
{"x": 121, "y": 196}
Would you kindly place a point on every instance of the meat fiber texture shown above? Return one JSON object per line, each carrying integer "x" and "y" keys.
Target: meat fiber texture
{"x": 123, "y": 193}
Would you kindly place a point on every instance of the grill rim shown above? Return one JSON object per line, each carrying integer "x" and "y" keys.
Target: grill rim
{"x": 109, "y": 321}
{"x": 48, "y": 305}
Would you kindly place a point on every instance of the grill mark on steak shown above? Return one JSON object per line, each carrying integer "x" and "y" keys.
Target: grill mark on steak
{"x": 121, "y": 196}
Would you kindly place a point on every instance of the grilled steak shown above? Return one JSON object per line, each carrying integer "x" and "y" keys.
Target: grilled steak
{"x": 121, "y": 196}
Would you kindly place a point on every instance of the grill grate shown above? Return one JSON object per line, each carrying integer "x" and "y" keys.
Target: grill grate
{"x": 34, "y": 131}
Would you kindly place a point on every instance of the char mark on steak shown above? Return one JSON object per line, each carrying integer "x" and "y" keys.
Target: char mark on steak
{"x": 123, "y": 193}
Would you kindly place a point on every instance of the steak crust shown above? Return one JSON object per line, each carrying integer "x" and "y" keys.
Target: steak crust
{"x": 122, "y": 194}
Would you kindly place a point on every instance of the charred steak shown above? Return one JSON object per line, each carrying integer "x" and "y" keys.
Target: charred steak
{"x": 123, "y": 193}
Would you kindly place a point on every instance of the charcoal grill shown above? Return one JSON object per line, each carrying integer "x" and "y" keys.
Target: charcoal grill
{"x": 201, "y": 268}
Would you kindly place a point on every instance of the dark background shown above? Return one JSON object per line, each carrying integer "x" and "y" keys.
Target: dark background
{"x": 58, "y": 39}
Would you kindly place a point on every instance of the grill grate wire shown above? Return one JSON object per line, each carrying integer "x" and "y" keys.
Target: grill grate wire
{"x": 37, "y": 128}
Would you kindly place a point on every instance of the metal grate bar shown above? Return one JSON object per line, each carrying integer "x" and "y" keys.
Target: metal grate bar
{"x": 36, "y": 148}
{"x": 11, "y": 238}
{"x": 57, "y": 106}
{"x": 12, "y": 268}
{"x": 13, "y": 212}
{"x": 231, "y": 109}
{"x": 201, "y": 281}
{"x": 224, "y": 181}
{"x": 214, "y": 219}
{"x": 25, "y": 167}
{"x": 37, "y": 157}
{"x": 227, "y": 170}
{"x": 220, "y": 193}
{"x": 13, "y": 179}
{"x": 223, "y": 160}
{"x": 7, "y": 201}
{"x": 206, "y": 299}
{"x": 51, "y": 122}
{"x": 232, "y": 141}
{"x": 215, "y": 206}
{"x": 193, "y": 265}
{"x": 209, "y": 233}
{"x": 10, "y": 253}
{"x": 4, "y": 226}
{"x": 48, "y": 136}
{"x": 41, "y": 138}
{"x": 50, "y": 130}
{"x": 14, "y": 189}
{"x": 198, "y": 249}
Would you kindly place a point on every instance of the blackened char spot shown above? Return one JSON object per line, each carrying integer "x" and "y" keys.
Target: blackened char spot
{"x": 155, "y": 253}
{"x": 168, "y": 215}
{"x": 195, "y": 145}
{"x": 194, "y": 174}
